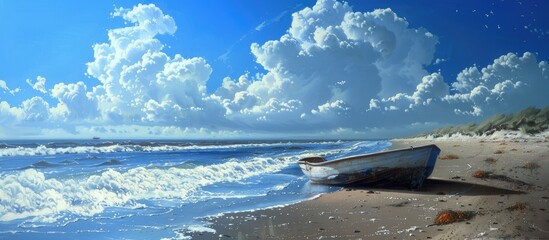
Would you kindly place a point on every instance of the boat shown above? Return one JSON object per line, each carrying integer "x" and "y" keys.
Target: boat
{"x": 405, "y": 167}
{"x": 95, "y": 138}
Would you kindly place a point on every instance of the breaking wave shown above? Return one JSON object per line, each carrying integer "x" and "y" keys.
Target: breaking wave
{"x": 30, "y": 194}
{"x": 110, "y": 147}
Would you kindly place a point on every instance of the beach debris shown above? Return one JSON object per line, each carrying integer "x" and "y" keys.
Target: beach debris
{"x": 450, "y": 156}
{"x": 490, "y": 160}
{"x": 519, "y": 206}
{"x": 530, "y": 165}
{"x": 450, "y": 216}
{"x": 489, "y": 175}
{"x": 480, "y": 174}
{"x": 400, "y": 204}
{"x": 498, "y": 152}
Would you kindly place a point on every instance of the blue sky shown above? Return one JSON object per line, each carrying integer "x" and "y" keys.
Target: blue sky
{"x": 421, "y": 56}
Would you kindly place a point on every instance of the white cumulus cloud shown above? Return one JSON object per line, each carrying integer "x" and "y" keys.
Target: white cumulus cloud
{"x": 6, "y": 89}
{"x": 333, "y": 61}
{"x": 39, "y": 84}
{"x": 335, "y": 72}
{"x": 4, "y": 85}
{"x": 509, "y": 84}
{"x": 35, "y": 109}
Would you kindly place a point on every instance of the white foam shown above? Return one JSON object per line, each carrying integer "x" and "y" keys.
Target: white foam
{"x": 198, "y": 228}
{"x": 496, "y": 136}
{"x": 30, "y": 194}
{"x": 44, "y": 150}
{"x": 280, "y": 186}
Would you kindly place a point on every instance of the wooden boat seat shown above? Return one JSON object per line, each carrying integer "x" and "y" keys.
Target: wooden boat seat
{"x": 313, "y": 160}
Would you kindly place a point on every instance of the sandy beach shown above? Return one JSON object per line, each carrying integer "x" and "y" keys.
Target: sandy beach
{"x": 510, "y": 200}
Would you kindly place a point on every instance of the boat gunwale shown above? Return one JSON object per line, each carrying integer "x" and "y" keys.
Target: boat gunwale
{"x": 364, "y": 155}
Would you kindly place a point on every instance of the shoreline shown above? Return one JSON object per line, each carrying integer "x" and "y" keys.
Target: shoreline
{"x": 511, "y": 205}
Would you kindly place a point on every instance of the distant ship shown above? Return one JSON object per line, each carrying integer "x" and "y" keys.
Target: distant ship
{"x": 96, "y": 138}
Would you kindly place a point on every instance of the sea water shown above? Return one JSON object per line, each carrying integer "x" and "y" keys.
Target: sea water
{"x": 150, "y": 189}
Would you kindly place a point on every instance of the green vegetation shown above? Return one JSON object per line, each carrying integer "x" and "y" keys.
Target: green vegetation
{"x": 530, "y": 121}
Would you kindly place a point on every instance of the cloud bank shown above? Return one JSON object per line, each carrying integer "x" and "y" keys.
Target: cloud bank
{"x": 335, "y": 73}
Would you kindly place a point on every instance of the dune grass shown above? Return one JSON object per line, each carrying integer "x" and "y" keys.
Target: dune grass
{"x": 531, "y": 120}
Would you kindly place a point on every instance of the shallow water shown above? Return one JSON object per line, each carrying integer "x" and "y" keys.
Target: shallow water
{"x": 152, "y": 190}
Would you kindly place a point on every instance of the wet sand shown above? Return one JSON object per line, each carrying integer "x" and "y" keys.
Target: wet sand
{"x": 510, "y": 202}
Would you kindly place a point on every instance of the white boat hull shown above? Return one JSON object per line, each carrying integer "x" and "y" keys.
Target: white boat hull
{"x": 408, "y": 166}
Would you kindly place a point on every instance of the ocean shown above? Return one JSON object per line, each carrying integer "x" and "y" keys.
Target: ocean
{"x": 100, "y": 189}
